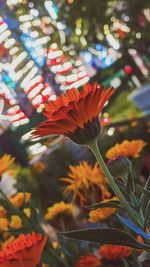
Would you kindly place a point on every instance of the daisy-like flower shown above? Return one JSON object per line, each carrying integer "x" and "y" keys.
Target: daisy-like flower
{"x": 126, "y": 148}
{"x": 88, "y": 260}
{"x": 75, "y": 114}
{"x": 20, "y": 198}
{"x": 5, "y": 163}
{"x": 83, "y": 179}
{"x": 58, "y": 209}
{"x": 114, "y": 253}
{"x": 24, "y": 251}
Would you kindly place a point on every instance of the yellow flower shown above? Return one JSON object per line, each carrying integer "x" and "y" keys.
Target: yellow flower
{"x": 4, "y": 224}
{"x": 58, "y": 209}
{"x": 3, "y": 212}
{"x": 27, "y": 211}
{"x": 20, "y": 198}
{"x": 82, "y": 177}
{"x": 15, "y": 222}
{"x": 101, "y": 214}
{"x": 126, "y": 148}
{"x": 5, "y": 163}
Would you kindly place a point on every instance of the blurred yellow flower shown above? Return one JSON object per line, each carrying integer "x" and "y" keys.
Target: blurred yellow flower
{"x": 8, "y": 240}
{"x": 27, "y": 211}
{"x": 4, "y": 223}
{"x": 20, "y": 198}
{"x": 58, "y": 209}
{"x": 15, "y": 222}
{"x": 101, "y": 214}
{"x": 3, "y": 212}
{"x": 126, "y": 148}
{"x": 5, "y": 163}
{"x": 82, "y": 177}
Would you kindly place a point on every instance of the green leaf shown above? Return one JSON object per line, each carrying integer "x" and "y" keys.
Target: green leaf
{"x": 106, "y": 236}
{"x": 105, "y": 204}
{"x": 146, "y": 193}
{"x": 147, "y": 216}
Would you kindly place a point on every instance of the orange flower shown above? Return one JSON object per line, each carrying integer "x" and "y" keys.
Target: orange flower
{"x": 114, "y": 253}
{"x": 15, "y": 222}
{"x": 5, "y": 163}
{"x": 39, "y": 166}
{"x": 24, "y": 251}
{"x": 4, "y": 223}
{"x": 88, "y": 261}
{"x": 75, "y": 114}
{"x": 58, "y": 209}
{"x": 101, "y": 214}
{"x": 83, "y": 177}
{"x": 20, "y": 198}
{"x": 126, "y": 148}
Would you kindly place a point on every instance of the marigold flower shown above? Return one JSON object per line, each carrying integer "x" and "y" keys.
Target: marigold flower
{"x": 24, "y": 251}
{"x": 5, "y": 163}
{"x": 4, "y": 223}
{"x": 88, "y": 261}
{"x": 126, "y": 148}
{"x": 20, "y": 198}
{"x": 15, "y": 222}
{"x": 101, "y": 214}
{"x": 27, "y": 212}
{"x": 82, "y": 178}
{"x": 114, "y": 253}
{"x": 75, "y": 114}
{"x": 58, "y": 209}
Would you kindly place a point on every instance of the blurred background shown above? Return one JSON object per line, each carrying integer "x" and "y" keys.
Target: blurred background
{"x": 50, "y": 46}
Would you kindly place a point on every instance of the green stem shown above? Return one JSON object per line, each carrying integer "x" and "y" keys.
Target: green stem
{"x": 94, "y": 148}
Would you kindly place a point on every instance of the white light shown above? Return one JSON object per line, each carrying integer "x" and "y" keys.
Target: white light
{"x": 35, "y": 91}
{"x": 37, "y": 100}
{"x": 112, "y": 41}
{"x": 9, "y": 43}
{"x": 78, "y": 83}
{"x": 41, "y": 41}
{"x": 4, "y": 35}
{"x": 3, "y": 27}
{"x": 25, "y": 18}
{"x": 26, "y": 83}
{"x": 39, "y": 150}
{"x": 116, "y": 82}
{"x": 35, "y": 146}
{"x": 52, "y": 97}
{"x": 111, "y": 131}
{"x": 26, "y": 136}
{"x": 55, "y": 54}
{"x": 13, "y": 51}
{"x": 50, "y": 9}
{"x": 46, "y": 91}
{"x": 18, "y": 60}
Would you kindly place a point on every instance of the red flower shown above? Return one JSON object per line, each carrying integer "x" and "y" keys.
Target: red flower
{"x": 114, "y": 253}
{"x": 75, "y": 114}
{"x": 88, "y": 261}
{"x": 25, "y": 251}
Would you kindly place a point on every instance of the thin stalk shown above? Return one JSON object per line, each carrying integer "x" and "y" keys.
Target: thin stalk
{"x": 94, "y": 148}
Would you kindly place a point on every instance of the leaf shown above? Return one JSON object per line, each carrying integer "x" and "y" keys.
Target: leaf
{"x": 106, "y": 236}
{"x": 105, "y": 204}
{"x": 147, "y": 216}
{"x": 126, "y": 264}
{"x": 52, "y": 258}
{"x": 146, "y": 193}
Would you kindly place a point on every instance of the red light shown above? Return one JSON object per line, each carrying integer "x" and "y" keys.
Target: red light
{"x": 106, "y": 121}
{"x": 128, "y": 69}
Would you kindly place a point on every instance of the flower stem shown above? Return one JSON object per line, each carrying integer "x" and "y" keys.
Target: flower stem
{"x": 94, "y": 148}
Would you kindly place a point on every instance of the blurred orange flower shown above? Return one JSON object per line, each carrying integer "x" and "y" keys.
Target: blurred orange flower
{"x": 88, "y": 261}
{"x": 4, "y": 223}
{"x": 20, "y": 198}
{"x": 39, "y": 166}
{"x": 82, "y": 178}
{"x": 75, "y": 114}
{"x": 5, "y": 163}
{"x": 24, "y": 251}
{"x": 114, "y": 253}
{"x": 101, "y": 214}
{"x": 126, "y": 148}
{"x": 58, "y": 209}
{"x": 15, "y": 222}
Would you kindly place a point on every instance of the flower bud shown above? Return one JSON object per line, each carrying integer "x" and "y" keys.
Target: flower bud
{"x": 119, "y": 167}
